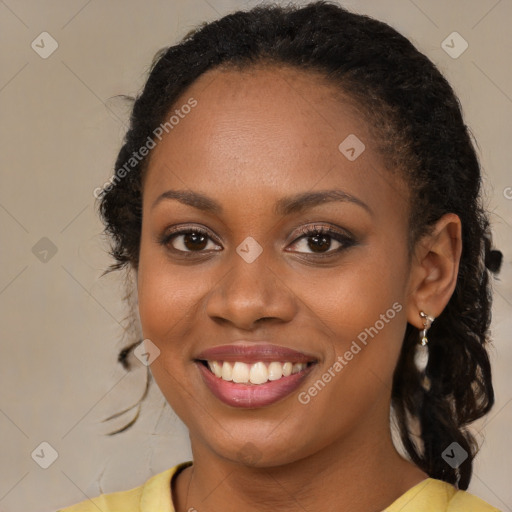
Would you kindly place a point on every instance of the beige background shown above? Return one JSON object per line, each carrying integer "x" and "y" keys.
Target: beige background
{"x": 61, "y": 323}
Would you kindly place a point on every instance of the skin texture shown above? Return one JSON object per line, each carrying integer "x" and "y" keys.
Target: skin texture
{"x": 255, "y": 137}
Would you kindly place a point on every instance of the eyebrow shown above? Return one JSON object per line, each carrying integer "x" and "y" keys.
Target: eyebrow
{"x": 284, "y": 206}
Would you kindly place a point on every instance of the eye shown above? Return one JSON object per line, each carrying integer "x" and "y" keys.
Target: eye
{"x": 319, "y": 239}
{"x": 193, "y": 239}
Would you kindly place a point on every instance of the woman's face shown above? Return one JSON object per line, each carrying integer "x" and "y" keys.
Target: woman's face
{"x": 260, "y": 145}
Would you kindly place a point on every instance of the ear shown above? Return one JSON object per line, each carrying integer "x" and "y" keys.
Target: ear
{"x": 434, "y": 269}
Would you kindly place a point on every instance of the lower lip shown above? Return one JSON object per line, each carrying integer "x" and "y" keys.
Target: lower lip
{"x": 255, "y": 395}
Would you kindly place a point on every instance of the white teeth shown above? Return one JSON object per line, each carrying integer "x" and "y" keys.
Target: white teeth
{"x": 216, "y": 368}
{"x": 275, "y": 371}
{"x": 241, "y": 373}
{"x": 257, "y": 373}
{"x": 227, "y": 371}
{"x": 297, "y": 367}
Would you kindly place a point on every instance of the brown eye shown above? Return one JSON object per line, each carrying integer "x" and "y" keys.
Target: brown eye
{"x": 319, "y": 240}
{"x": 189, "y": 240}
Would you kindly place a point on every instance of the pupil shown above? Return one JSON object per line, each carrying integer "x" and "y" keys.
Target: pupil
{"x": 320, "y": 242}
{"x": 197, "y": 241}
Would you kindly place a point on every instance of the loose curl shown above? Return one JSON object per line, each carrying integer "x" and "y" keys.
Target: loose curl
{"x": 417, "y": 123}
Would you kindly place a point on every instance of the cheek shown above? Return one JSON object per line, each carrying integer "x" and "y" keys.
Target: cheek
{"x": 168, "y": 296}
{"x": 165, "y": 294}
{"x": 363, "y": 309}
{"x": 363, "y": 305}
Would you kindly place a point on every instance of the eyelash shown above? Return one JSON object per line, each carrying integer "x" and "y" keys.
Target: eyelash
{"x": 345, "y": 240}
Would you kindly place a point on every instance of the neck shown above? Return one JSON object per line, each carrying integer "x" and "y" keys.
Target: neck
{"x": 360, "y": 473}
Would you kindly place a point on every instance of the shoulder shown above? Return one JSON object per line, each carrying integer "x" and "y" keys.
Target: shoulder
{"x": 432, "y": 495}
{"x": 464, "y": 501}
{"x": 152, "y": 495}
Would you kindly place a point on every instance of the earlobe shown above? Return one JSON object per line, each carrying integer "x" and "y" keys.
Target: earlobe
{"x": 434, "y": 269}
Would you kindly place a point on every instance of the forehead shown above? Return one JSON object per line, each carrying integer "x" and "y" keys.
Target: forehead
{"x": 268, "y": 129}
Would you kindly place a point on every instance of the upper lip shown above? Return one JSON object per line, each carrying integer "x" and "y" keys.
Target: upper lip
{"x": 253, "y": 353}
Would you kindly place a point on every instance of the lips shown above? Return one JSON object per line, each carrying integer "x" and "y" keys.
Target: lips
{"x": 253, "y": 375}
{"x": 254, "y": 353}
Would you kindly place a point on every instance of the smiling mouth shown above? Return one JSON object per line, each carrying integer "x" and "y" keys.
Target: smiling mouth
{"x": 258, "y": 373}
{"x": 252, "y": 375}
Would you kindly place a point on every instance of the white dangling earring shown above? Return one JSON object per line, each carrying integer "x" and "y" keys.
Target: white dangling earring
{"x": 421, "y": 354}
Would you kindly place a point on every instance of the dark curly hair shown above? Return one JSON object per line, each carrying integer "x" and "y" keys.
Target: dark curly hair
{"x": 417, "y": 123}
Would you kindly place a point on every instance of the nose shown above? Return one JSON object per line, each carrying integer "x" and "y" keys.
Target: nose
{"x": 249, "y": 293}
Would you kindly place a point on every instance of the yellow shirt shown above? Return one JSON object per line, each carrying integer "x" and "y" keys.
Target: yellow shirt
{"x": 430, "y": 495}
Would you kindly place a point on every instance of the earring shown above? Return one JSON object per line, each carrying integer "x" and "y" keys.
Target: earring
{"x": 427, "y": 322}
{"x": 421, "y": 354}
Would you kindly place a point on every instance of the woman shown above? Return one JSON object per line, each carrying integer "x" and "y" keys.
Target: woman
{"x": 299, "y": 199}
